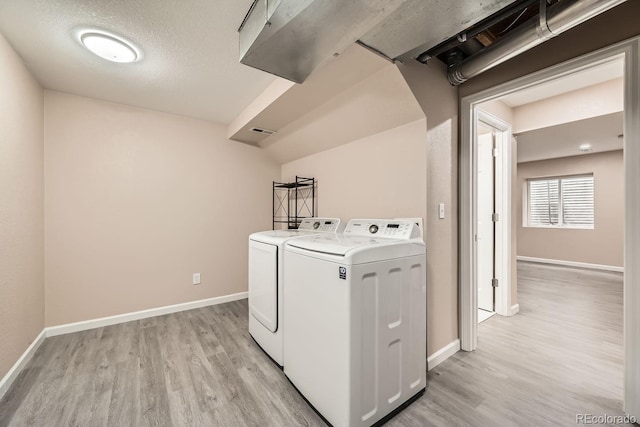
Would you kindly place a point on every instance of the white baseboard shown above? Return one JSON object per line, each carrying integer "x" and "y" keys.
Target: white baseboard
{"x": 68, "y": 328}
{"x": 443, "y": 354}
{"x": 572, "y": 264}
{"x": 17, "y": 367}
{"x": 514, "y": 309}
{"x": 137, "y": 315}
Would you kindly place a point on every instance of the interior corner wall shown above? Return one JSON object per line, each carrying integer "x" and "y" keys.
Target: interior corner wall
{"x": 602, "y": 245}
{"x": 21, "y": 208}
{"x": 136, "y": 201}
{"x": 499, "y": 109}
{"x": 439, "y": 102}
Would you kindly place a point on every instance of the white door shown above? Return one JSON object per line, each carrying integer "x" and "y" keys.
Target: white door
{"x": 486, "y": 209}
{"x": 263, "y": 283}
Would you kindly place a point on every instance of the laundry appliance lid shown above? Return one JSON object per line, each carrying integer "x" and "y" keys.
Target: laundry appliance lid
{"x": 308, "y": 226}
{"x": 276, "y": 237}
{"x": 355, "y": 249}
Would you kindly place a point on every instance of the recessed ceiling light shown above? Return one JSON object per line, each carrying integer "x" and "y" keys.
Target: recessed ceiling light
{"x": 585, "y": 148}
{"x": 109, "y": 47}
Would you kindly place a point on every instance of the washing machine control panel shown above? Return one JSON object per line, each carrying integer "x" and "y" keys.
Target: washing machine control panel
{"x": 391, "y": 228}
{"x": 328, "y": 225}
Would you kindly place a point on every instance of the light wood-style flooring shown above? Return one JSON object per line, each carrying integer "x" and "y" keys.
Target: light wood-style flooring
{"x": 561, "y": 355}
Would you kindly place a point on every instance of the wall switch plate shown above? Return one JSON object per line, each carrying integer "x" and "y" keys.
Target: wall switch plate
{"x": 441, "y": 210}
{"x": 196, "y": 278}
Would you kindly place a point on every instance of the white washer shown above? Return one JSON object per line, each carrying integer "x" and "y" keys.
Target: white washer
{"x": 355, "y": 324}
{"x": 266, "y": 268}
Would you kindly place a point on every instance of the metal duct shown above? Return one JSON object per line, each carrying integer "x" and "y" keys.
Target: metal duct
{"x": 563, "y": 16}
{"x": 292, "y": 38}
{"x": 419, "y": 25}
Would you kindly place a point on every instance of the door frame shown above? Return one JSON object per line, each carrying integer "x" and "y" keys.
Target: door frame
{"x": 502, "y": 195}
{"x": 629, "y": 50}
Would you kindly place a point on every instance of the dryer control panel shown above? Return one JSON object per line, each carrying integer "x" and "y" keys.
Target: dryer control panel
{"x": 326, "y": 225}
{"x": 390, "y": 228}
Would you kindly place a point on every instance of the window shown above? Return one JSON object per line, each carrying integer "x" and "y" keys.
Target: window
{"x": 560, "y": 202}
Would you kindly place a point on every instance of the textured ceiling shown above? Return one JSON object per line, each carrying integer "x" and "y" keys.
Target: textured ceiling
{"x": 190, "y": 64}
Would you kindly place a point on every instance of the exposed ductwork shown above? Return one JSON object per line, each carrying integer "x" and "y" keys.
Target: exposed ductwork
{"x": 292, "y": 38}
{"x": 551, "y": 21}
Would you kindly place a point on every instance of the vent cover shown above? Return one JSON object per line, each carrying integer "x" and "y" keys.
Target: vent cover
{"x": 263, "y": 131}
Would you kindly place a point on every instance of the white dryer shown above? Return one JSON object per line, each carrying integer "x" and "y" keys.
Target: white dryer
{"x": 355, "y": 324}
{"x": 266, "y": 268}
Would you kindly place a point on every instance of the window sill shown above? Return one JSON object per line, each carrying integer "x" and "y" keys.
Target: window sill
{"x": 561, "y": 227}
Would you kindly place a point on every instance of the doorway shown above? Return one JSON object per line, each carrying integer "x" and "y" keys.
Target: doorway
{"x": 486, "y": 181}
{"x": 493, "y": 158}
{"x": 629, "y": 52}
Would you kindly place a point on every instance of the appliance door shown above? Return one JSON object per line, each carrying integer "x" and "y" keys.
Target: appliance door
{"x": 263, "y": 283}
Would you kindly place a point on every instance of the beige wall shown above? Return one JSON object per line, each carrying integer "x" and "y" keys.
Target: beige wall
{"x": 605, "y": 243}
{"x": 380, "y": 176}
{"x": 21, "y": 208}
{"x": 136, "y": 201}
{"x": 438, "y": 100}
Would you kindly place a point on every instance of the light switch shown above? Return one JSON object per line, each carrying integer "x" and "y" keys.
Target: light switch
{"x": 441, "y": 210}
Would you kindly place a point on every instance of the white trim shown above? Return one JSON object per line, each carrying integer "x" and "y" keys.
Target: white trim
{"x": 515, "y": 309}
{"x": 630, "y": 50}
{"x": 443, "y": 354}
{"x": 468, "y": 291}
{"x": 17, "y": 367}
{"x": 571, "y": 263}
{"x": 68, "y": 328}
{"x": 502, "y": 194}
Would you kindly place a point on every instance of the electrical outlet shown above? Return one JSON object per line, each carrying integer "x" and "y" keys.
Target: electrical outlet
{"x": 196, "y": 278}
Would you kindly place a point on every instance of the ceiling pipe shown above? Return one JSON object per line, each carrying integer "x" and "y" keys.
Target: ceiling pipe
{"x": 481, "y": 26}
{"x": 551, "y": 22}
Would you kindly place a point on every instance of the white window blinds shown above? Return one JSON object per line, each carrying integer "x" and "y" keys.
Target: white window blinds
{"x": 544, "y": 202}
{"x": 566, "y": 201}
